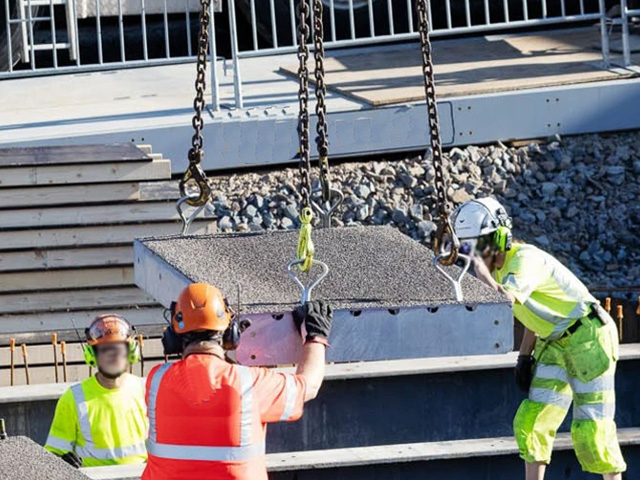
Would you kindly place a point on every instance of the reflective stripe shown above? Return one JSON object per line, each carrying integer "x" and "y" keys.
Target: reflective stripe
{"x": 544, "y": 395}
{"x": 59, "y": 443}
{"x": 111, "y": 453}
{"x": 604, "y": 383}
{"x": 153, "y": 395}
{"x": 214, "y": 454}
{"x": 551, "y": 372}
{"x": 83, "y": 413}
{"x": 292, "y": 393}
{"x": 597, "y": 411}
{"x": 246, "y": 416}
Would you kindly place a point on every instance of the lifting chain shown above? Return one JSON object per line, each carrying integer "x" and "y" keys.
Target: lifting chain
{"x": 194, "y": 172}
{"x": 305, "y": 245}
{"x": 445, "y": 235}
{"x": 331, "y": 198}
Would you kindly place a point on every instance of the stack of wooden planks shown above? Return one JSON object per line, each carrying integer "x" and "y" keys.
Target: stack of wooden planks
{"x": 68, "y": 217}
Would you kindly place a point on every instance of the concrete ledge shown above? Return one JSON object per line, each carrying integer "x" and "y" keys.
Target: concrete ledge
{"x": 343, "y": 371}
{"x": 386, "y": 454}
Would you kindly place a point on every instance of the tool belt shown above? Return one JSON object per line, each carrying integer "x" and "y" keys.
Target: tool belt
{"x": 589, "y": 347}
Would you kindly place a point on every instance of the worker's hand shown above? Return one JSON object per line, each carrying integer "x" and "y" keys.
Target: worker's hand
{"x": 524, "y": 372}
{"x": 72, "y": 459}
{"x": 316, "y": 316}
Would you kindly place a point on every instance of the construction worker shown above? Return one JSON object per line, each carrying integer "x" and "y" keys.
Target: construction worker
{"x": 207, "y": 417}
{"x": 102, "y": 420}
{"x": 569, "y": 350}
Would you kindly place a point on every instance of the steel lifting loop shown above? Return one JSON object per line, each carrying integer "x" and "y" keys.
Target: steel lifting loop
{"x": 194, "y": 173}
{"x": 325, "y": 209}
{"x": 456, "y": 282}
{"x": 305, "y": 245}
{"x": 443, "y": 233}
{"x": 186, "y": 221}
{"x": 306, "y": 289}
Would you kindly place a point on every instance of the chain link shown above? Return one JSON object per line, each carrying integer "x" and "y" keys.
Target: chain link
{"x": 445, "y": 229}
{"x": 303, "y": 104}
{"x": 321, "y": 107}
{"x": 194, "y": 173}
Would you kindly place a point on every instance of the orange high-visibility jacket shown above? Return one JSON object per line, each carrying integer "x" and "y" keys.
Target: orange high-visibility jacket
{"x": 207, "y": 418}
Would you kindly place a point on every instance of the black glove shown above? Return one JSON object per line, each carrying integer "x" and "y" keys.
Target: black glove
{"x": 317, "y": 317}
{"x": 72, "y": 459}
{"x": 524, "y": 372}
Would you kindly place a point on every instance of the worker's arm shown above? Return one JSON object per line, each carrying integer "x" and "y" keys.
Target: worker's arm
{"x": 528, "y": 342}
{"x": 482, "y": 272}
{"x": 317, "y": 317}
{"x": 311, "y": 368}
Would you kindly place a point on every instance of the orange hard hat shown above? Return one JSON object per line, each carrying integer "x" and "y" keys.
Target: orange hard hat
{"x": 200, "y": 306}
{"x": 109, "y": 328}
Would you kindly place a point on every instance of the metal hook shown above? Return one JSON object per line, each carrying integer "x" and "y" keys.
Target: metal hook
{"x": 306, "y": 289}
{"x": 186, "y": 221}
{"x": 325, "y": 212}
{"x": 457, "y": 286}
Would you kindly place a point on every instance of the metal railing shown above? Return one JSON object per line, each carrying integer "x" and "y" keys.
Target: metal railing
{"x": 114, "y": 34}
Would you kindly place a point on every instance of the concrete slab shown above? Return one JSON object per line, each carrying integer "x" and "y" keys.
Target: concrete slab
{"x": 22, "y": 458}
{"x": 389, "y": 301}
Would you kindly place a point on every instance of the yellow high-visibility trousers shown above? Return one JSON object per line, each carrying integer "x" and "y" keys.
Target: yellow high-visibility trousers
{"x": 553, "y": 389}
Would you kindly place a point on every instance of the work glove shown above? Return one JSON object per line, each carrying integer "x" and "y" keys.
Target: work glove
{"x": 316, "y": 316}
{"x": 524, "y": 372}
{"x": 72, "y": 459}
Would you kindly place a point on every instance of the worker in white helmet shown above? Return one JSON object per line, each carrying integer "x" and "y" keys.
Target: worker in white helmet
{"x": 569, "y": 350}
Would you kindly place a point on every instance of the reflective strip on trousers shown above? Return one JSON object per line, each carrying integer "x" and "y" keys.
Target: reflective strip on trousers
{"x": 594, "y": 411}
{"x": 214, "y": 454}
{"x": 59, "y": 443}
{"x": 550, "y": 397}
{"x": 604, "y": 383}
{"x": 291, "y": 394}
{"x": 153, "y": 396}
{"x": 551, "y": 372}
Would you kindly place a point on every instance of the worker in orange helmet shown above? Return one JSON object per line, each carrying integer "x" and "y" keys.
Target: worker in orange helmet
{"x": 102, "y": 420}
{"x": 207, "y": 417}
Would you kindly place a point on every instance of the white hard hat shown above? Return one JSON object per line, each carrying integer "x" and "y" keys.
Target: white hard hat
{"x": 480, "y": 217}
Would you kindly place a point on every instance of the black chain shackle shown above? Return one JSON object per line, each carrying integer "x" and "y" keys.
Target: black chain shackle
{"x": 195, "y": 174}
{"x": 445, "y": 230}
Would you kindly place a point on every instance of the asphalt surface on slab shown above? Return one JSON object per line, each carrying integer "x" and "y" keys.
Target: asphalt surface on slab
{"x": 369, "y": 267}
{"x": 23, "y": 459}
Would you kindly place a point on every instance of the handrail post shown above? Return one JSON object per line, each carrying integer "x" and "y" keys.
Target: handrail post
{"x": 604, "y": 35}
{"x": 237, "y": 80}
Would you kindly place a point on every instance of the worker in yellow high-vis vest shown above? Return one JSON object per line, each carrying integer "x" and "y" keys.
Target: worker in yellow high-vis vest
{"x": 569, "y": 350}
{"x": 102, "y": 420}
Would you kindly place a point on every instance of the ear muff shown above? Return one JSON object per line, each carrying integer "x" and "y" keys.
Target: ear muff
{"x": 89, "y": 355}
{"x": 171, "y": 342}
{"x": 231, "y": 336}
{"x": 502, "y": 238}
{"x": 134, "y": 352}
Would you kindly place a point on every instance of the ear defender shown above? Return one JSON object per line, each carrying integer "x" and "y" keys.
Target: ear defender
{"x": 231, "y": 336}
{"x": 171, "y": 343}
{"x": 502, "y": 238}
{"x": 89, "y": 355}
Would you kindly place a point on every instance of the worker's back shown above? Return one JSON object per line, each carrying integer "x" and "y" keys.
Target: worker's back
{"x": 207, "y": 418}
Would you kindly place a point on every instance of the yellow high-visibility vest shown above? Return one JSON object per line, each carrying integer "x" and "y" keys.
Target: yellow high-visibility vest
{"x": 102, "y": 426}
